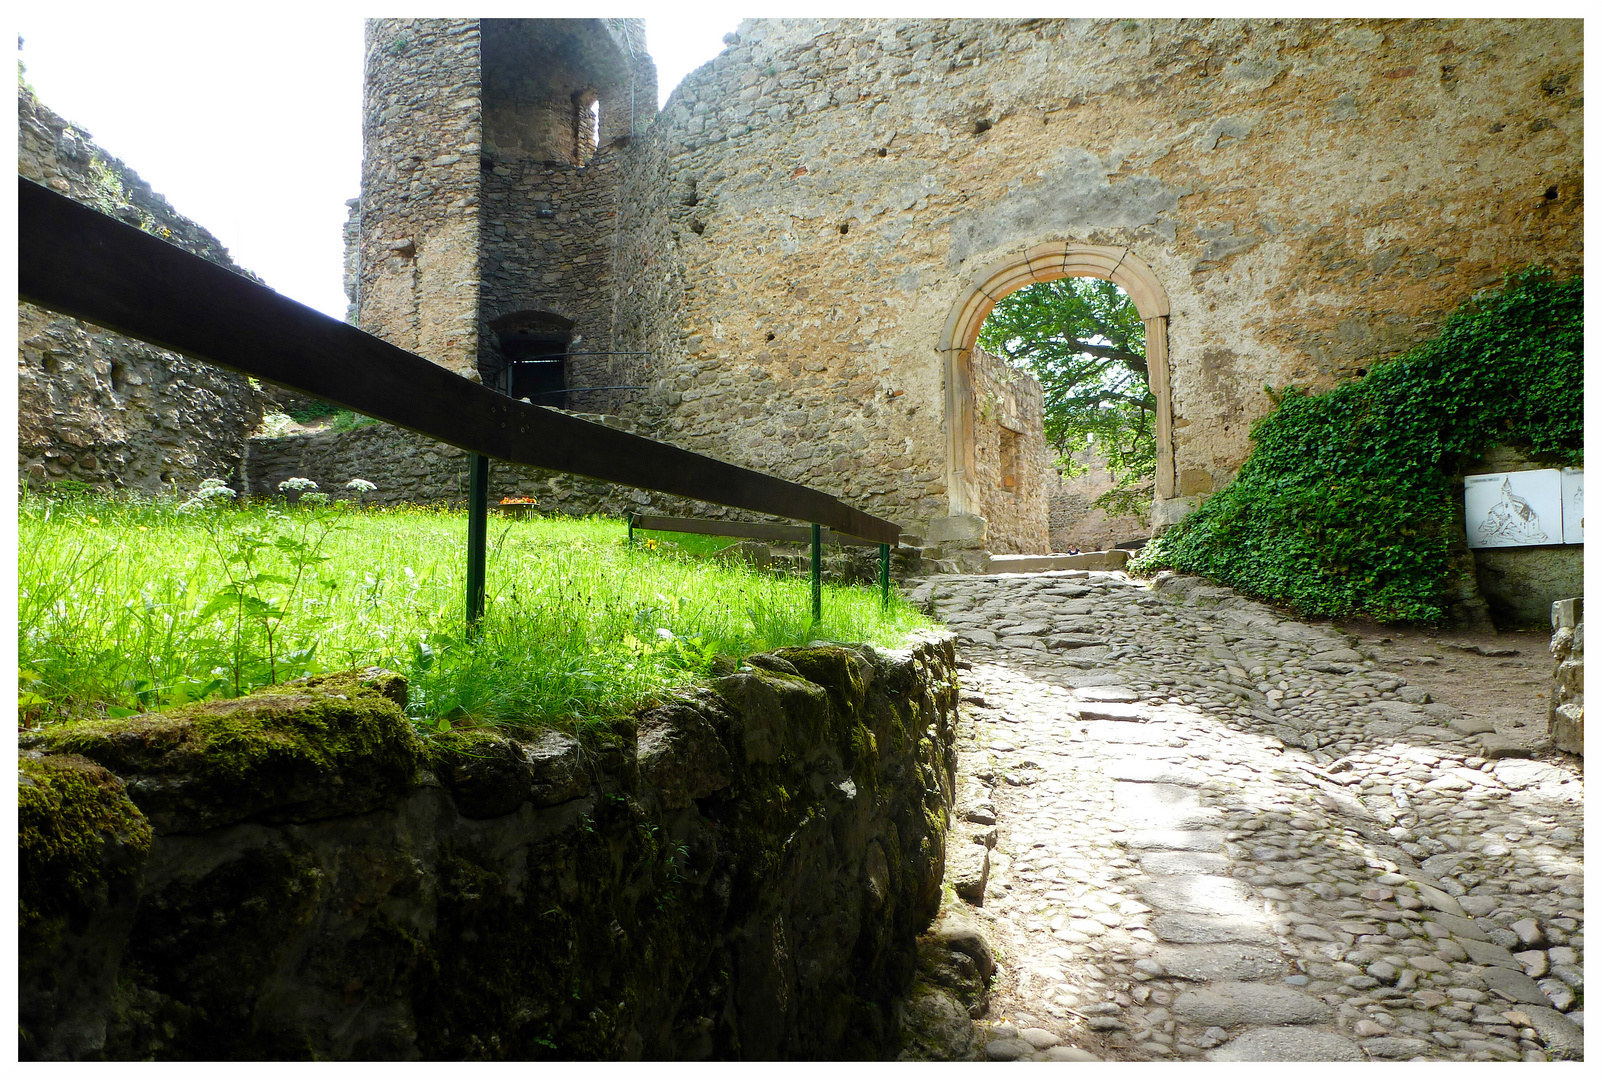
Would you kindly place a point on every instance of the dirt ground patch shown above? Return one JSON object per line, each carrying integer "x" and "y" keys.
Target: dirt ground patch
{"x": 1501, "y": 676}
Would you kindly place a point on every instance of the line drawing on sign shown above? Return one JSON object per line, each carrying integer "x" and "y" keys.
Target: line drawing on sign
{"x": 1511, "y": 521}
{"x": 1573, "y": 506}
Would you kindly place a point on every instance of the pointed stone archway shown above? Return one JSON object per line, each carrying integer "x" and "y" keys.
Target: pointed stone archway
{"x": 1047, "y": 262}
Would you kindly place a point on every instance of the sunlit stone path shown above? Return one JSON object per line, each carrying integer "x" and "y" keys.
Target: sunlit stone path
{"x": 1197, "y": 830}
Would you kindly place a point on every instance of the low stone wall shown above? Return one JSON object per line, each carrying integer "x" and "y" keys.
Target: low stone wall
{"x": 412, "y": 468}
{"x": 741, "y": 872}
{"x": 1520, "y": 584}
{"x": 1566, "y": 710}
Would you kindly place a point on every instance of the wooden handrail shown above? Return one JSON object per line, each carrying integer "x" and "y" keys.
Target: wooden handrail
{"x": 77, "y": 261}
{"x": 750, "y": 530}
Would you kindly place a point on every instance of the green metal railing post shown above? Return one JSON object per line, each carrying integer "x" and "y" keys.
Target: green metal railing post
{"x": 477, "y": 534}
{"x": 884, "y": 575}
{"x": 817, "y": 573}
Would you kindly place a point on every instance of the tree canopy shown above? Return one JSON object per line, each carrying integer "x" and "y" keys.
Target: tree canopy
{"x": 1083, "y": 339}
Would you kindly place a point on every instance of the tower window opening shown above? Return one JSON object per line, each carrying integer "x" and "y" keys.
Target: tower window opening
{"x": 586, "y": 125}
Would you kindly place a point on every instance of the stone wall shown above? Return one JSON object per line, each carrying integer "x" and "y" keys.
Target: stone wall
{"x": 412, "y": 469}
{"x": 351, "y": 235}
{"x": 761, "y": 300}
{"x": 1075, "y": 522}
{"x": 1311, "y": 195}
{"x": 797, "y": 234}
{"x": 1010, "y": 457}
{"x": 418, "y": 281}
{"x": 740, "y": 872}
{"x": 550, "y": 195}
{"x": 546, "y": 251}
{"x": 96, "y": 407}
{"x": 1566, "y": 708}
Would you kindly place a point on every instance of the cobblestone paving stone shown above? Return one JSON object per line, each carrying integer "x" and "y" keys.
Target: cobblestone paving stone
{"x": 1201, "y": 830}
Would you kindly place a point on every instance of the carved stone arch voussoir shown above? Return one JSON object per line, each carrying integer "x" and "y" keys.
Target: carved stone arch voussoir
{"x": 1047, "y": 262}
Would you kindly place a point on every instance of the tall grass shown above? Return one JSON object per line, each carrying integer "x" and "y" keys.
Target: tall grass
{"x": 118, "y": 612}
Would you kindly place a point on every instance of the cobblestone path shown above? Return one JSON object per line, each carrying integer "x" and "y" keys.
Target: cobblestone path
{"x": 1202, "y": 831}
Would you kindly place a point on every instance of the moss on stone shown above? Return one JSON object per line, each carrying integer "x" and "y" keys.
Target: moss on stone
{"x": 565, "y": 966}
{"x": 69, "y": 812}
{"x": 449, "y": 748}
{"x": 611, "y": 931}
{"x": 864, "y": 747}
{"x": 834, "y": 669}
{"x": 202, "y": 951}
{"x": 244, "y": 750}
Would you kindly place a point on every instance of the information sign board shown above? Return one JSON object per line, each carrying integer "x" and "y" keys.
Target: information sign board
{"x": 1574, "y": 506}
{"x": 1517, "y": 509}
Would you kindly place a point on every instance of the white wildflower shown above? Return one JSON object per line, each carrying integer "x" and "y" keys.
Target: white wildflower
{"x": 297, "y": 483}
{"x": 211, "y": 490}
{"x": 357, "y": 484}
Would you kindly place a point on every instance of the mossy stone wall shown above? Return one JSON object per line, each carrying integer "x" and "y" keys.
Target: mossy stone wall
{"x": 739, "y": 872}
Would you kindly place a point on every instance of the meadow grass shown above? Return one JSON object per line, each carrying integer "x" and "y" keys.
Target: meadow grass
{"x": 130, "y": 605}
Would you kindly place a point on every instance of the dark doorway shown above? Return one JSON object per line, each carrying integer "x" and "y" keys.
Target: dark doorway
{"x": 533, "y": 349}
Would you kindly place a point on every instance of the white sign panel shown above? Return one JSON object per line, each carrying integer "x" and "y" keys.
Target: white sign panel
{"x": 1516, "y": 509}
{"x": 1574, "y": 506}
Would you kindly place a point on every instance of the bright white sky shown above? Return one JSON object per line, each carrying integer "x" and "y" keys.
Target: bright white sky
{"x": 248, "y": 119}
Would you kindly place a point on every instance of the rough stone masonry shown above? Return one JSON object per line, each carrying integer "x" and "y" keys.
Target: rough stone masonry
{"x": 794, "y": 254}
{"x": 98, "y": 408}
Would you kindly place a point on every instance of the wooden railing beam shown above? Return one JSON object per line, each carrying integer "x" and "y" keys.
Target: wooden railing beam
{"x": 79, "y": 262}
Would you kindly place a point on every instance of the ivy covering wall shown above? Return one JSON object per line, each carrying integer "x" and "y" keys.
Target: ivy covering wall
{"x": 1347, "y": 504}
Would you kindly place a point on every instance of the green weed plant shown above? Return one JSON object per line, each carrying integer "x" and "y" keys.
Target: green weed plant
{"x": 129, "y": 605}
{"x": 1346, "y": 504}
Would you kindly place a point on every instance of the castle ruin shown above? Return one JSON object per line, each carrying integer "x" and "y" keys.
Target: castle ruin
{"x": 792, "y": 259}
{"x": 795, "y": 255}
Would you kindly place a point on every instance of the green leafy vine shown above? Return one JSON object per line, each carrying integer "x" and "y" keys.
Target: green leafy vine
{"x": 1346, "y": 505}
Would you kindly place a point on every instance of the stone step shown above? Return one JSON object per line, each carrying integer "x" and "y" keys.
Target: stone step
{"x": 1116, "y": 559}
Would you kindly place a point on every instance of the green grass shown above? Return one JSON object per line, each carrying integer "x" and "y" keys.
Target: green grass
{"x": 311, "y": 411}
{"x": 687, "y": 543}
{"x": 123, "y": 606}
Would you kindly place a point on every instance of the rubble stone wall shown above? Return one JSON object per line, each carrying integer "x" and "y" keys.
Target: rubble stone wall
{"x": 409, "y": 468}
{"x": 1075, "y": 521}
{"x": 740, "y": 872}
{"x": 549, "y": 204}
{"x": 547, "y": 250}
{"x": 1311, "y": 195}
{"x": 98, "y": 408}
{"x": 1566, "y": 708}
{"x": 1011, "y": 459}
{"x": 418, "y": 282}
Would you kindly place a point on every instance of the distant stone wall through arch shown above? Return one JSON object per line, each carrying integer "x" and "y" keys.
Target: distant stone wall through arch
{"x": 1047, "y": 262}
